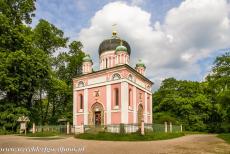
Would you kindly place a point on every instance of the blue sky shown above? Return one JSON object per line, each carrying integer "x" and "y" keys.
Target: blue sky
{"x": 173, "y": 37}
{"x": 76, "y": 14}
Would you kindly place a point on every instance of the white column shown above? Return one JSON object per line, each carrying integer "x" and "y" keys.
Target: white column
{"x": 134, "y": 104}
{"x": 146, "y": 112}
{"x": 85, "y": 106}
{"x": 151, "y": 108}
{"x": 74, "y": 107}
{"x": 124, "y": 102}
{"x": 108, "y": 101}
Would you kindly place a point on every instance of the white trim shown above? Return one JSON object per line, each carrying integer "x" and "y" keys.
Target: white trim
{"x": 80, "y": 113}
{"x": 85, "y": 106}
{"x": 151, "y": 109}
{"x": 134, "y": 104}
{"x": 116, "y": 107}
{"x": 115, "y": 110}
{"x": 108, "y": 103}
{"x": 113, "y": 82}
{"x": 146, "y": 107}
{"x": 74, "y": 108}
{"x": 124, "y": 102}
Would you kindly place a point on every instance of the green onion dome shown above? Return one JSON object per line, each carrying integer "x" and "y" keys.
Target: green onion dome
{"x": 140, "y": 64}
{"x": 121, "y": 48}
{"x": 87, "y": 58}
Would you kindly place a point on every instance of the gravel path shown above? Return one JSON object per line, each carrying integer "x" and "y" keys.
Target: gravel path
{"x": 190, "y": 144}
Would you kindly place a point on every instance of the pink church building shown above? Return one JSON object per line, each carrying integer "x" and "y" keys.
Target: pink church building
{"x": 116, "y": 93}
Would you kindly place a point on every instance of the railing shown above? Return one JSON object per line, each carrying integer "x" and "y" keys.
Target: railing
{"x": 131, "y": 128}
{"x": 51, "y": 128}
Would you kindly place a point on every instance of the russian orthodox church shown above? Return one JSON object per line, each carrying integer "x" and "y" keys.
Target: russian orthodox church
{"x": 116, "y": 93}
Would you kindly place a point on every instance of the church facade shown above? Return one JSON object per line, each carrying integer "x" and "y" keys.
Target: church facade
{"x": 116, "y": 93}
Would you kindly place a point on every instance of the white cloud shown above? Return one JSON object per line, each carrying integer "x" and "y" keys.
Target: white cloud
{"x": 137, "y": 2}
{"x": 189, "y": 33}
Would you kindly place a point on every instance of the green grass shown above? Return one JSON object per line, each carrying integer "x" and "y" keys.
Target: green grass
{"x": 128, "y": 137}
{"x": 43, "y": 134}
{"x": 5, "y": 132}
{"x": 225, "y": 136}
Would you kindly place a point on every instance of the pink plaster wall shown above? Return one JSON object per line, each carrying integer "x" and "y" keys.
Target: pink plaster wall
{"x": 80, "y": 119}
{"x": 100, "y": 99}
{"x": 116, "y": 117}
{"x": 131, "y": 117}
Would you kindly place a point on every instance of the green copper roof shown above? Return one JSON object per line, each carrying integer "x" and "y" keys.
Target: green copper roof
{"x": 140, "y": 64}
{"x": 87, "y": 58}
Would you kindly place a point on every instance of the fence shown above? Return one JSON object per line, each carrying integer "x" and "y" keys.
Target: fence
{"x": 115, "y": 128}
{"x": 127, "y": 128}
{"x": 51, "y": 128}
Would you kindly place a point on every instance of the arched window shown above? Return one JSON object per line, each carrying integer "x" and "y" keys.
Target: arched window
{"x": 106, "y": 63}
{"x": 81, "y": 101}
{"x": 80, "y": 84}
{"x": 116, "y": 96}
{"x": 116, "y": 76}
{"x": 130, "y": 96}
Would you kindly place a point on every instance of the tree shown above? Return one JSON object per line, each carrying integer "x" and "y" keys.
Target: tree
{"x": 69, "y": 64}
{"x": 18, "y": 11}
{"x": 48, "y": 38}
{"x": 218, "y": 84}
{"x": 184, "y": 101}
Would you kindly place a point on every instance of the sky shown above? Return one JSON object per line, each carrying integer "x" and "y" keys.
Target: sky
{"x": 174, "y": 38}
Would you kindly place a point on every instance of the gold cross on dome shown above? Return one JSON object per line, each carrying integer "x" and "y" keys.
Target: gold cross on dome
{"x": 114, "y": 29}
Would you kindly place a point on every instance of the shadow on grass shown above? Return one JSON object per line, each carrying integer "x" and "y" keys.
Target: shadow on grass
{"x": 45, "y": 136}
{"x": 128, "y": 137}
{"x": 225, "y": 136}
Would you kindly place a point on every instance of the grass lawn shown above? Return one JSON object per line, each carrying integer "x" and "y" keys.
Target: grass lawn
{"x": 225, "y": 137}
{"x": 128, "y": 137}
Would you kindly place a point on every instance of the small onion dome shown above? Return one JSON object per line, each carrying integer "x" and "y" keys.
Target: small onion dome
{"x": 140, "y": 64}
{"x": 121, "y": 48}
{"x": 87, "y": 58}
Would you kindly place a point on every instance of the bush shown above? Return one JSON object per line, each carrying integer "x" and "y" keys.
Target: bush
{"x": 128, "y": 137}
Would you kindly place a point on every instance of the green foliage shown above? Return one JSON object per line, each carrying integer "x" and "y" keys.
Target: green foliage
{"x": 225, "y": 137}
{"x": 48, "y": 37}
{"x": 198, "y": 106}
{"x": 18, "y": 11}
{"x": 129, "y": 137}
{"x": 9, "y": 115}
{"x": 69, "y": 64}
{"x": 30, "y": 81}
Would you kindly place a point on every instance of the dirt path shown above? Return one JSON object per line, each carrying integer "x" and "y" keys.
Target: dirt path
{"x": 191, "y": 144}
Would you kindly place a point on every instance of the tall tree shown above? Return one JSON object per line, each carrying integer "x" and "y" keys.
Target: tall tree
{"x": 18, "y": 11}
{"x": 218, "y": 84}
{"x": 48, "y": 38}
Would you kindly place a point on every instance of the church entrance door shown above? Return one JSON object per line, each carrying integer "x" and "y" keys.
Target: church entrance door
{"x": 98, "y": 118}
